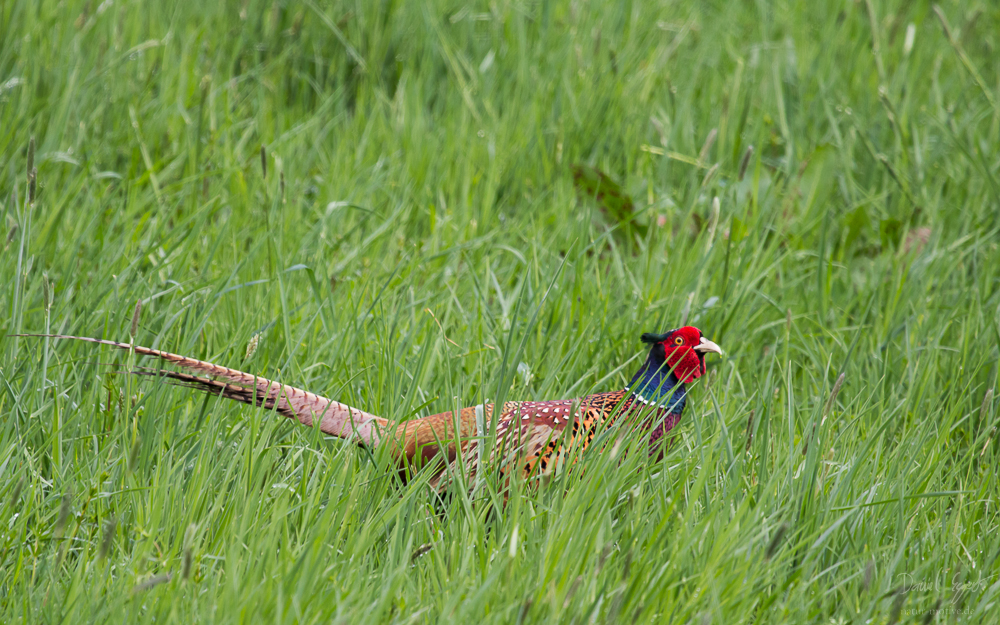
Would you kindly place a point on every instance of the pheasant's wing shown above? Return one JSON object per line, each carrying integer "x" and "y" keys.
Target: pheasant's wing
{"x": 539, "y": 433}
{"x": 545, "y": 433}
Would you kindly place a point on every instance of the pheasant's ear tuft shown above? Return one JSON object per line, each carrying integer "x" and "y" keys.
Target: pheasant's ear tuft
{"x": 649, "y": 337}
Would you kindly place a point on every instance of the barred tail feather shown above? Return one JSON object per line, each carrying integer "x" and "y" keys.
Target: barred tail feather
{"x": 336, "y": 419}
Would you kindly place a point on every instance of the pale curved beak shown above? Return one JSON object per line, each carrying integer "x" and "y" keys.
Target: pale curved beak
{"x": 707, "y": 346}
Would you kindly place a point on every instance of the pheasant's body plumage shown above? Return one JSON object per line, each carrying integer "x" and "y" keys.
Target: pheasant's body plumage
{"x": 554, "y": 429}
{"x": 530, "y": 437}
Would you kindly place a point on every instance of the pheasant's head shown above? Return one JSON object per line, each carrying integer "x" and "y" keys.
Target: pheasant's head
{"x": 681, "y": 351}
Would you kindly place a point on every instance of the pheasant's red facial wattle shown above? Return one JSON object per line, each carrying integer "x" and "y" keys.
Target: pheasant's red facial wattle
{"x": 685, "y": 351}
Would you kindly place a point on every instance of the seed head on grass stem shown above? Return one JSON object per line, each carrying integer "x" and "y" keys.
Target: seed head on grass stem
{"x": 64, "y": 509}
{"x": 188, "y": 551}
{"x": 133, "y": 455}
{"x": 16, "y": 495}
{"x": 31, "y": 158}
{"x": 709, "y": 175}
{"x": 826, "y": 410}
{"x": 525, "y": 608}
{"x": 897, "y": 606}
{"x": 46, "y": 293}
{"x": 108, "y": 538}
{"x": 929, "y": 617}
{"x": 572, "y": 591}
{"x": 152, "y": 582}
{"x": 983, "y": 414}
{"x": 713, "y": 222}
{"x": 136, "y": 312}
{"x": 707, "y": 146}
{"x": 833, "y": 395}
{"x": 869, "y": 574}
{"x": 252, "y": 346}
{"x": 420, "y": 551}
{"x": 772, "y": 547}
{"x": 985, "y": 406}
{"x": 745, "y": 162}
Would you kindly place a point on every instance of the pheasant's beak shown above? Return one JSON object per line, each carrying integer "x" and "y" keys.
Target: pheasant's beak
{"x": 707, "y": 346}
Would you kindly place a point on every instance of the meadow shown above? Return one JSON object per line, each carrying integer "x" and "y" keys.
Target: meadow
{"x": 413, "y": 206}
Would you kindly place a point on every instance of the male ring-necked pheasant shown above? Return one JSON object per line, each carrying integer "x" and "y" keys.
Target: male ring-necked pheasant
{"x": 532, "y": 434}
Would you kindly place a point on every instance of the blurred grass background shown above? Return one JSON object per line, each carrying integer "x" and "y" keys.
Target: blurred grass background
{"x": 470, "y": 201}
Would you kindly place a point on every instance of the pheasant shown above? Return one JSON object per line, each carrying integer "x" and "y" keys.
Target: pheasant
{"x": 531, "y": 436}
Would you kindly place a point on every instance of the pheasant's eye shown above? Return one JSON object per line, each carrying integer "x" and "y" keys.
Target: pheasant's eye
{"x": 678, "y": 341}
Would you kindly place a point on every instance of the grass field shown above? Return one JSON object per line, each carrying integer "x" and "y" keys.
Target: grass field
{"x": 419, "y": 242}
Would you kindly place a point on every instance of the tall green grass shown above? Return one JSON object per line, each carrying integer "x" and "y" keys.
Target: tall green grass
{"x": 418, "y": 243}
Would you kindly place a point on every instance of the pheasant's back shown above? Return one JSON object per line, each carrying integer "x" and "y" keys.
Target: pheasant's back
{"x": 542, "y": 433}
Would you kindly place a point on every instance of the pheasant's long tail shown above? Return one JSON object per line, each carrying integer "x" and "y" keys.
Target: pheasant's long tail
{"x": 335, "y": 418}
